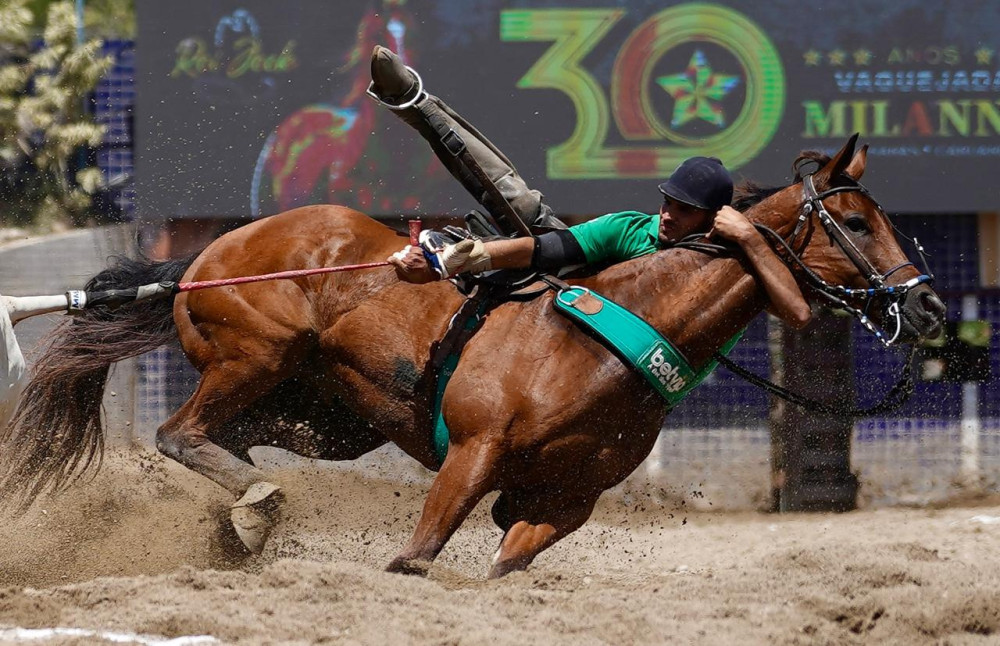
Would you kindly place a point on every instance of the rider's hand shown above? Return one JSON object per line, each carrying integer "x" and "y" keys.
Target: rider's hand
{"x": 411, "y": 265}
{"x": 465, "y": 256}
{"x": 732, "y": 225}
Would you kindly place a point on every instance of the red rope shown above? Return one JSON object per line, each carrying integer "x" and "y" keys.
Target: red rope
{"x": 292, "y": 273}
{"x": 414, "y": 229}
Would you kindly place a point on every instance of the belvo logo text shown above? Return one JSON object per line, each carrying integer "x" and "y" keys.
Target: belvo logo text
{"x": 695, "y": 79}
{"x": 656, "y": 362}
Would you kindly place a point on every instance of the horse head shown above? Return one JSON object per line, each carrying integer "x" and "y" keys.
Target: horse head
{"x": 845, "y": 251}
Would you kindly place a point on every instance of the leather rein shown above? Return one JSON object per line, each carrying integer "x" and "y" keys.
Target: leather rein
{"x": 836, "y": 296}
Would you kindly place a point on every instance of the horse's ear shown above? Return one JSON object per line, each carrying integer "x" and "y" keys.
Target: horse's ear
{"x": 838, "y": 164}
{"x": 856, "y": 168}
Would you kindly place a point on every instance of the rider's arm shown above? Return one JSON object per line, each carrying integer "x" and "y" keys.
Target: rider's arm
{"x": 555, "y": 250}
{"x": 547, "y": 252}
{"x": 786, "y": 298}
{"x": 513, "y": 253}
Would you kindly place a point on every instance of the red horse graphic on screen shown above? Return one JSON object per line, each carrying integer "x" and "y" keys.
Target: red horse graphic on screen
{"x": 328, "y": 152}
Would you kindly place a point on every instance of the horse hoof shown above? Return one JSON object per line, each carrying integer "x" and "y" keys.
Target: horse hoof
{"x": 256, "y": 513}
{"x": 412, "y": 567}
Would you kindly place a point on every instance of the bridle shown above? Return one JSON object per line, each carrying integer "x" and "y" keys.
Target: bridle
{"x": 839, "y": 296}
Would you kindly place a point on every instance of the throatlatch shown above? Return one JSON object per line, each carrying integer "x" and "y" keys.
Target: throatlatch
{"x": 470, "y": 157}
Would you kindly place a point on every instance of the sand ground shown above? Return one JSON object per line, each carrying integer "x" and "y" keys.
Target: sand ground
{"x": 142, "y": 548}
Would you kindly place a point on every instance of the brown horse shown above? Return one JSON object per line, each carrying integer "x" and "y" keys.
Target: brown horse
{"x": 537, "y": 409}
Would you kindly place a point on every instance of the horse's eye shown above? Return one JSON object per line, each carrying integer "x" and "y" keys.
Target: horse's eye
{"x": 857, "y": 224}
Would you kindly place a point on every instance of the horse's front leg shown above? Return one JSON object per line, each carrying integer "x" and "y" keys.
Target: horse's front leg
{"x": 468, "y": 474}
{"x": 538, "y": 521}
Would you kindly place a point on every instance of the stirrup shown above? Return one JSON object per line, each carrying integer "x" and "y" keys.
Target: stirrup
{"x": 479, "y": 224}
{"x": 406, "y": 104}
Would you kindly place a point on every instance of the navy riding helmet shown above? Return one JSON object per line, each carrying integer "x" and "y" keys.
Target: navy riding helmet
{"x": 702, "y": 182}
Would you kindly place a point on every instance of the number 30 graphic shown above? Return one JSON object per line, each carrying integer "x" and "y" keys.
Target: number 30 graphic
{"x": 658, "y": 149}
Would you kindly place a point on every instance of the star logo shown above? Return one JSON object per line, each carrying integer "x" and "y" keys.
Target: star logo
{"x": 696, "y": 92}
{"x": 812, "y": 57}
{"x": 984, "y": 55}
{"x": 837, "y": 57}
{"x": 862, "y": 57}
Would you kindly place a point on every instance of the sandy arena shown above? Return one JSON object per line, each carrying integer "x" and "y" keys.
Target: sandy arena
{"x": 139, "y": 550}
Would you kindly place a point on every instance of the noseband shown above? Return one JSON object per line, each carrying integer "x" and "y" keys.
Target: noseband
{"x": 837, "y": 296}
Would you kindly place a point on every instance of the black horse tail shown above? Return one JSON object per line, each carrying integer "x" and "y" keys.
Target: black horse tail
{"x": 56, "y": 433}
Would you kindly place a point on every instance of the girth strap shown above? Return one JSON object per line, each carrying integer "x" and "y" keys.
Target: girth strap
{"x": 445, "y": 354}
{"x": 636, "y": 342}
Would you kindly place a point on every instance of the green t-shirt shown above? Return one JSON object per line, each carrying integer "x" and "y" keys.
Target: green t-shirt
{"x": 616, "y": 237}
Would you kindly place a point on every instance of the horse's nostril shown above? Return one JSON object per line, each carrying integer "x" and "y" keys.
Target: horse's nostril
{"x": 932, "y": 305}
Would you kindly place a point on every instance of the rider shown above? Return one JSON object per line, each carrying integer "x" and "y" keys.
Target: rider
{"x": 696, "y": 199}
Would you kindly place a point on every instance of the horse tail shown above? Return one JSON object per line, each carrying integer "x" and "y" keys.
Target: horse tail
{"x": 56, "y": 434}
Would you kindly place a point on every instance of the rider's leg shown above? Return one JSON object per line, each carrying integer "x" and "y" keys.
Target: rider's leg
{"x": 400, "y": 90}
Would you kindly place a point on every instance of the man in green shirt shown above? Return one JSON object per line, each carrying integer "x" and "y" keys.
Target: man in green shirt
{"x": 696, "y": 199}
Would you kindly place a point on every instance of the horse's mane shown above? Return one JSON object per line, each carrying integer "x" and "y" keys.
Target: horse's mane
{"x": 748, "y": 193}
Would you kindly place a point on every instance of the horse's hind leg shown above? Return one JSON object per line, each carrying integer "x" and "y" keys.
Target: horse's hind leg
{"x": 225, "y": 389}
{"x": 465, "y": 477}
{"x": 537, "y": 521}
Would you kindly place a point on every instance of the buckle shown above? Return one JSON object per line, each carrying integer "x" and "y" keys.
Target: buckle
{"x": 406, "y": 104}
{"x": 570, "y": 303}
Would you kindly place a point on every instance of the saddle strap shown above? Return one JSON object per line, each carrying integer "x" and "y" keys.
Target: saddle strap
{"x": 444, "y": 359}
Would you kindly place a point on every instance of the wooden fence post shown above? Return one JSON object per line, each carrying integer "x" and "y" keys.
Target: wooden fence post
{"x": 811, "y": 453}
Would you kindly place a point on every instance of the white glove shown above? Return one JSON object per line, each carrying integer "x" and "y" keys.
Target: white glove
{"x": 465, "y": 256}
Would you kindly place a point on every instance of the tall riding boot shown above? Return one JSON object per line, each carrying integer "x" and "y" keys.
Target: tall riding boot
{"x": 466, "y": 153}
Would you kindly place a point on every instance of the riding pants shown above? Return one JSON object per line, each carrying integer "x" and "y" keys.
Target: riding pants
{"x": 468, "y": 155}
